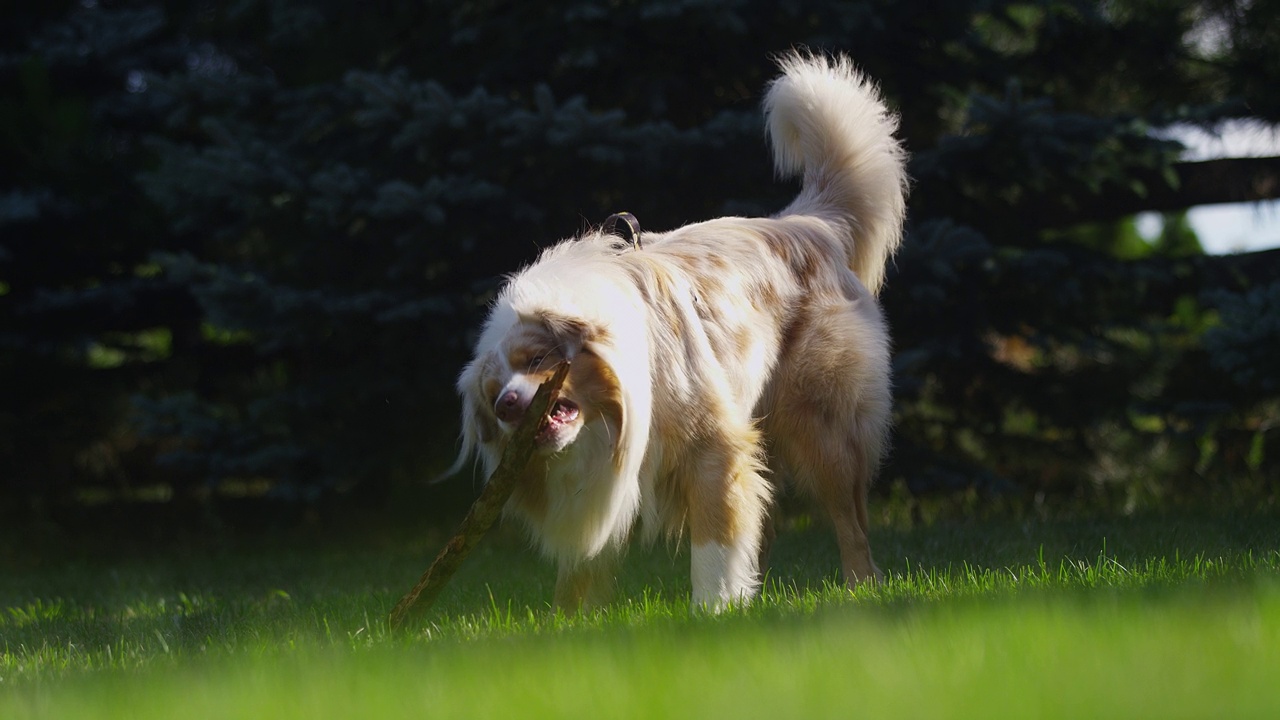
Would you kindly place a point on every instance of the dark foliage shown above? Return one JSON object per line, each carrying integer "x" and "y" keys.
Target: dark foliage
{"x": 244, "y": 246}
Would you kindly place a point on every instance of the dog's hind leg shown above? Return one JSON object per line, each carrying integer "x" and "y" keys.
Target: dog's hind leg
{"x": 827, "y": 415}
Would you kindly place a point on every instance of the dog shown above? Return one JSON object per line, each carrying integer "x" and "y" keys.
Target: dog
{"x": 708, "y": 359}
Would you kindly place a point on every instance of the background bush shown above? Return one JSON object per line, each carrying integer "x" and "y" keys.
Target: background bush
{"x": 244, "y": 246}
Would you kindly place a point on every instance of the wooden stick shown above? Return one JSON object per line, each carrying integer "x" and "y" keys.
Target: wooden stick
{"x": 485, "y": 510}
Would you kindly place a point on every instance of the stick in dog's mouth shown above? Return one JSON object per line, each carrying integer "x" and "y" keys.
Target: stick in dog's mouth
{"x": 540, "y": 418}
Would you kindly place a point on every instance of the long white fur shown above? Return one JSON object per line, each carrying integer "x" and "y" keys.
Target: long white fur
{"x": 667, "y": 327}
{"x": 721, "y": 575}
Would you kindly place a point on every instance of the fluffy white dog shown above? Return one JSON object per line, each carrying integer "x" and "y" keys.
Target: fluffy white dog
{"x": 704, "y": 355}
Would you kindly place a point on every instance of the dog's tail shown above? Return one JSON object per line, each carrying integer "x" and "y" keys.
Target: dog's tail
{"x": 827, "y": 121}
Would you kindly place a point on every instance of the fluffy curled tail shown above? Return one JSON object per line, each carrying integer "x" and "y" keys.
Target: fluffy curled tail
{"x": 827, "y": 121}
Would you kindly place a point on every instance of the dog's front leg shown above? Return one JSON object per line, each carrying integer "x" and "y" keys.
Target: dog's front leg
{"x": 723, "y": 574}
{"x": 727, "y": 506}
{"x": 586, "y": 584}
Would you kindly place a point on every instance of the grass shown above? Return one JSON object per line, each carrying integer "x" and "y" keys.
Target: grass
{"x": 1120, "y": 618}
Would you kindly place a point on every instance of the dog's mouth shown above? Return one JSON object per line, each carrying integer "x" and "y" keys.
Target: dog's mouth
{"x": 563, "y": 413}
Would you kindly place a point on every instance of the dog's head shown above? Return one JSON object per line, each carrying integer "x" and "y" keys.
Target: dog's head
{"x": 513, "y": 359}
{"x": 573, "y": 304}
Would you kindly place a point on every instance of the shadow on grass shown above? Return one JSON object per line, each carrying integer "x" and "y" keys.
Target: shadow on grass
{"x": 180, "y": 600}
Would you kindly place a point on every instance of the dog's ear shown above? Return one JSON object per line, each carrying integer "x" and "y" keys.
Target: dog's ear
{"x": 476, "y": 421}
{"x": 570, "y": 333}
{"x": 478, "y": 427}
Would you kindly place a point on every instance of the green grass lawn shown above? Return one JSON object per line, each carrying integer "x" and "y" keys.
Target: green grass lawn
{"x": 1150, "y": 617}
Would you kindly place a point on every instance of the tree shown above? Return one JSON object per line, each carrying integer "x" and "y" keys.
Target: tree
{"x": 246, "y": 245}
{"x": 85, "y": 315}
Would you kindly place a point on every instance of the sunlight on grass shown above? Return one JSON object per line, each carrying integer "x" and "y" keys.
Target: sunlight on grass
{"x": 1177, "y": 619}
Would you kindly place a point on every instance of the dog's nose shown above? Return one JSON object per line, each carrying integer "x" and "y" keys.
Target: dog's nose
{"x": 509, "y": 407}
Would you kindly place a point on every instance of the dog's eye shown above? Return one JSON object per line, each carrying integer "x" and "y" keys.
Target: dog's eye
{"x": 538, "y": 360}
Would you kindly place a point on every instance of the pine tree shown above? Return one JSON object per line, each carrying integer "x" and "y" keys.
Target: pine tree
{"x": 251, "y": 242}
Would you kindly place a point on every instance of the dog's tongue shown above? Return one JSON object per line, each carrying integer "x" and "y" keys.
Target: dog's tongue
{"x": 564, "y": 412}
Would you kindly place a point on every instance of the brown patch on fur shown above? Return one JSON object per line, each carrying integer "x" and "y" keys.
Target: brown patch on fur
{"x": 570, "y": 332}
{"x": 531, "y": 348}
{"x": 721, "y": 513}
{"x": 707, "y": 285}
{"x": 769, "y": 297}
{"x": 489, "y": 390}
{"x": 719, "y": 482}
{"x": 654, "y": 285}
{"x": 804, "y": 259}
{"x": 594, "y": 386}
{"x": 638, "y": 281}
{"x": 708, "y": 292}
{"x": 795, "y": 330}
